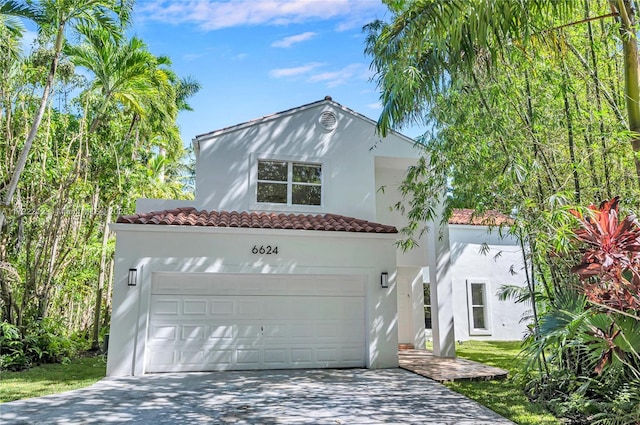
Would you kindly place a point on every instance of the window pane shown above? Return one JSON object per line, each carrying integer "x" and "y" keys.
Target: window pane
{"x": 478, "y": 318}
{"x": 307, "y": 173}
{"x": 427, "y": 305}
{"x": 272, "y": 170}
{"x": 427, "y": 317}
{"x": 477, "y": 293}
{"x": 305, "y": 195}
{"x": 275, "y": 193}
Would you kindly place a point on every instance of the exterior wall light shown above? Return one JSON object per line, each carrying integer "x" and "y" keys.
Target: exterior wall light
{"x": 133, "y": 277}
{"x": 384, "y": 279}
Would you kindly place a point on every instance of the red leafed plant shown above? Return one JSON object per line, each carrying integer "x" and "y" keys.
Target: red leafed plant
{"x": 610, "y": 267}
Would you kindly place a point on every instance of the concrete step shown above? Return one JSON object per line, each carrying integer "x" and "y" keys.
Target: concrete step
{"x": 442, "y": 369}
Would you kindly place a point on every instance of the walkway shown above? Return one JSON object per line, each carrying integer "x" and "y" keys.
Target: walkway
{"x": 441, "y": 369}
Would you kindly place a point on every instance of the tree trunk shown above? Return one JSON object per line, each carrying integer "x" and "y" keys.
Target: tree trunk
{"x": 572, "y": 154}
{"x": 631, "y": 72}
{"x": 95, "y": 345}
{"x": 106, "y": 317}
{"x": 596, "y": 87}
{"x": 22, "y": 161}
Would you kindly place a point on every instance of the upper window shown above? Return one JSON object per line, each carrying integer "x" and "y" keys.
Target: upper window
{"x": 289, "y": 183}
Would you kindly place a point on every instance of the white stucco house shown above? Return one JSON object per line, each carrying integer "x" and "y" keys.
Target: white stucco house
{"x": 287, "y": 258}
{"x": 483, "y": 258}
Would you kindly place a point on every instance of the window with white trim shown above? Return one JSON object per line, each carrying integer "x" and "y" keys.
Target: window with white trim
{"x": 479, "y": 321}
{"x": 427, "y": 306}
{"x": 289, "y": 182}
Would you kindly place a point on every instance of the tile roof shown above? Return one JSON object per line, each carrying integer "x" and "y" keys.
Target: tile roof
{"x": 256, "y": 220}
{"x": 488, "y": 218}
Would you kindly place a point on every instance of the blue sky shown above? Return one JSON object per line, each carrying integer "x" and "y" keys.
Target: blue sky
{"x": 257, "y": 57}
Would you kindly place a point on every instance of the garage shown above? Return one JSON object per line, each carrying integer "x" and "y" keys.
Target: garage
{"x": 194, "y": 294}
{"x": 216, "y": 321}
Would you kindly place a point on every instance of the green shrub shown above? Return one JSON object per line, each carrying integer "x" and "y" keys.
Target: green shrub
{"x": 41, "y": 342}
{"x": 46, "y": 345}
{"x": 12, "y": 355}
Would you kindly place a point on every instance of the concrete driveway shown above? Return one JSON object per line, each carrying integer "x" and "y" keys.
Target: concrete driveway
{"x": 344, "y": 396}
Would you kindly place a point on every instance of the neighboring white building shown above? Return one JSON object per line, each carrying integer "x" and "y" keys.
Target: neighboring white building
{"x": 484, "y": 258}
{"x": 286, "y": 258}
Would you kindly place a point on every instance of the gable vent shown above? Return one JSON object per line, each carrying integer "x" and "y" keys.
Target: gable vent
{"x": 328, "y": 120}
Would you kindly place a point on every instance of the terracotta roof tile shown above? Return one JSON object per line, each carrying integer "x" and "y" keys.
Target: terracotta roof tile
{"x": 489, "y": 218}
{"x": 256, "y": 220}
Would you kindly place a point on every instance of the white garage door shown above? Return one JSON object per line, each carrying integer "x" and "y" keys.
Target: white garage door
{"x": 209, "y": 321}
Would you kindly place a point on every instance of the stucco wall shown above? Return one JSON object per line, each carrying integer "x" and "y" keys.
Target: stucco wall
{"x": 495, "y": 266}
{"x": 226, "y": 161}
{"x": 223, "y": 250}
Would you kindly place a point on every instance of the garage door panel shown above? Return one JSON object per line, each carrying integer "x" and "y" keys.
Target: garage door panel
{"x": 328, "y": 331}
{"x": 221, "y": 357}
{"x": 276, "y": 357}
{"x": 248, "y": 331}
{"x": 275, "y": 332}
{"x": 248, "y": 357}
{"x": 328, "y": 355}
{"x": 222, "y": 307}
{"x": 250, "y": 284}
{"x": 302, "y": 331}
{"x": 192, "y": 332}
{"x": 165, "y": 307}
{"x": 163, "y": 333}
{"x": 284, "y": 307}
{"x": 344, "y": 308}
{"x": 302, "y": 355}
{"x": 249, "y": 308}
{"x": 162, "y": 358}
{"x": 202, "y": 327}
{"x": 221, "y": 333}
{"x": 194, "y": 307}
{"x": 191, "y": 357}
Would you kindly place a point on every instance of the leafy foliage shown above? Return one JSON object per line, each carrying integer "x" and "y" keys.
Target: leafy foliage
{"x": 585, "y": 355}
{"x": 613, "y": 253}
{"x": 41, "y": 343}
{"x": 101, "y": 138}
{"x": 531, "y": 108}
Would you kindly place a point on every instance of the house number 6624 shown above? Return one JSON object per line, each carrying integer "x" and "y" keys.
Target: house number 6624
{"x": 265, "y": 250}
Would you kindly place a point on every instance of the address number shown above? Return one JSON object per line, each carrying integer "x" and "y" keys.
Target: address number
{"x": 265, "y": 250}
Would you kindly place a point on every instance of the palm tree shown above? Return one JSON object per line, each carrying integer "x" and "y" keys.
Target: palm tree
{"x": 55, "y": 18}
{"x": 431, "y": 42}
{"x": 141, "y": 85}
{"x": 126, "y": 74}
{"x": 10, "y": 12}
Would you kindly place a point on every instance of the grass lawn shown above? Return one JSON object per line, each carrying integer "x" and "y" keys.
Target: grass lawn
{"x": 51, "y": 378}
{"x": 503, "y": 397}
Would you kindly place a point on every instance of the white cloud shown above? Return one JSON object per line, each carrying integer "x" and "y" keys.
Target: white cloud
{"x": 341, "y": 76}
{"x": 211, "y": 14}
{"x": 376, "y": 105}
{"x": 295, "y": 71}
{"x": 289, "y": 41}
{"x": 192, "y": 56}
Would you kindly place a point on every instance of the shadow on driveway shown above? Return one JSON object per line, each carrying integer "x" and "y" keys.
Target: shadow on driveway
{"x": 330, "y": 396}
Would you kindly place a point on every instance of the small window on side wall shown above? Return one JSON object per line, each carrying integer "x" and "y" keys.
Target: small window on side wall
{"x": 289, "y": 183}
{"x": 428, "y": 325}
{"x": 478, "y": 301}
